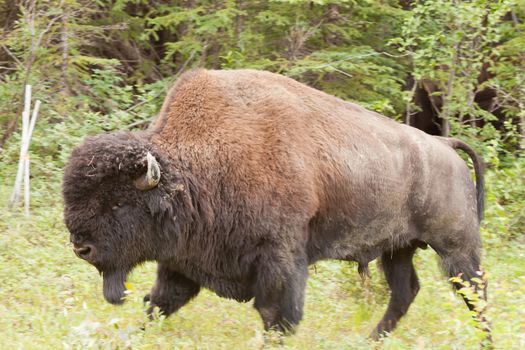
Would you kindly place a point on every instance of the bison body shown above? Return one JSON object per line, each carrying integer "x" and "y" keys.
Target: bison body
{"x": 248, "y": 177}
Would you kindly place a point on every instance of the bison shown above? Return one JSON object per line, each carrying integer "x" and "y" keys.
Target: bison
{"x": 248, "y": 177}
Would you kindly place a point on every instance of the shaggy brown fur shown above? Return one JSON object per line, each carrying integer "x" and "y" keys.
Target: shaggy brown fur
{"x": 260, "y": 177}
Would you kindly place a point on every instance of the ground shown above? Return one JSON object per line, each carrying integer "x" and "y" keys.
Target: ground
{"x": 50, "y": 299}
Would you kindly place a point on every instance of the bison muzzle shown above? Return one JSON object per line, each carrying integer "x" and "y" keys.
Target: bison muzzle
{"x": 246, "y": 178}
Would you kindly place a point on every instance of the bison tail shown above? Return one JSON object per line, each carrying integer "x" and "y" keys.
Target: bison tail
{"x": 478, "y": 168}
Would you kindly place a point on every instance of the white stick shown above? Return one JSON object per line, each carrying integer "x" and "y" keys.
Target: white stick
{"x": 25, "y": 117}
{"x": 27, "y": 100}
{"x": 26, "y": 156}
{"x": 26, "y": 185}
{"x": 23, "y": 164}
{"x": 33, "y": 121}
{"x": 15, "y": 197}
{"x": 29, "y": 133}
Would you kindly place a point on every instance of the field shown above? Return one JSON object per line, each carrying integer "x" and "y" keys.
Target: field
{"x": 448, "y": 67}
{"x": 50, "y": 299}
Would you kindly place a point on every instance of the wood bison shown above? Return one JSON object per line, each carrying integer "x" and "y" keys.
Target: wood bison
{"x": 247, "y": 177}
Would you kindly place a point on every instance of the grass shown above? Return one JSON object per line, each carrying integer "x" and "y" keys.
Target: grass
{"x": 49, "y": 299}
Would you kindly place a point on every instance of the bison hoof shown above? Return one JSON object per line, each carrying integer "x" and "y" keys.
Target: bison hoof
{"x": 150, "y": 312}
{"x": 147, "y": 298}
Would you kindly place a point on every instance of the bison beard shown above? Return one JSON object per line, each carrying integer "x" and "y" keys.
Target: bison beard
{"x": 114, "y": 286}
{"x": 248, "y": 177}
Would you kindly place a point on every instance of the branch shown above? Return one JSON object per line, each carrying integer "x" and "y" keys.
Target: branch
{"x": 342, "y": 72}
{"x": 137, "y": 123}
{"x": 409, "y": 101}
{"x": 471, "y": 120}
{"x": 12, "y": 55}
{"x": 348, "y": 58}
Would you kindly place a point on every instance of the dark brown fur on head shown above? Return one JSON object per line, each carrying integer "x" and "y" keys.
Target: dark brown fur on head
{"x": 104, "y": 210}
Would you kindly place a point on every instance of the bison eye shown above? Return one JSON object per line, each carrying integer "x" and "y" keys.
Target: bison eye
{"x": 116, "y": 205}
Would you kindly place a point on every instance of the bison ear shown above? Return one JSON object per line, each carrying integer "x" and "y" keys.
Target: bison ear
{"x": 151, "y": 178}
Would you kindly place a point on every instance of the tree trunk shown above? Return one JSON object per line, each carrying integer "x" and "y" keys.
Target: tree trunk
{"x": 446, "y": 113}
{"x": 64, "y": 37}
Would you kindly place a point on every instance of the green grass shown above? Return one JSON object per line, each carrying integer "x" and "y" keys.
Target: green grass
{"x": 49, "y": 299}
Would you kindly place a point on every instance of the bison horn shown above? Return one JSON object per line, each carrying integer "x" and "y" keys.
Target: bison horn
{"x": 151, "y": 178}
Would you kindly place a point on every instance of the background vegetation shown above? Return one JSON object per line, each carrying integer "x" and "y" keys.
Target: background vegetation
{"x": 446, "y": 66}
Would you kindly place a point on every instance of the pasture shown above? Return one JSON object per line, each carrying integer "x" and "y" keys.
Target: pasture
{"x": 448, "y": 67}
{"x": 50, "y": 299}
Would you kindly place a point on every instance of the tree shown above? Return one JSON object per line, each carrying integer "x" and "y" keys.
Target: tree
{"x": 452, "y": 44}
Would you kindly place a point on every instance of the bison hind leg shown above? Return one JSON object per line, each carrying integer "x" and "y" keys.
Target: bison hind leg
{"x": 404, "y": 286}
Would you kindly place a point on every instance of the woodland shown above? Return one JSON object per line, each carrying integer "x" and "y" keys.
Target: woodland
{"x": 448, "y": 67}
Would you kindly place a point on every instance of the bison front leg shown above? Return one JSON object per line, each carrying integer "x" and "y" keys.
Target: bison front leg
{"x": 171, "y": 291}
{"x": 279, "y": 294}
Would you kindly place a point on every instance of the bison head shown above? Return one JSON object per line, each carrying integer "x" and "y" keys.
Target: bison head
{"x": 113, "y": 194}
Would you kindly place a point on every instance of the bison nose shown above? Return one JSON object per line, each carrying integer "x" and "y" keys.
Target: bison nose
{"x": 84, "y": 251}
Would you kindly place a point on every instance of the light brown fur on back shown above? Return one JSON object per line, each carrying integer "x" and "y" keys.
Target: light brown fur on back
{"x": 349, "y": 172}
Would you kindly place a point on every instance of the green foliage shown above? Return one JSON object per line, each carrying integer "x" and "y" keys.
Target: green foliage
{"x": 113, "y": 72}
{"x": 449, "y": 43}
{"x": 316, "y": 42}
{"x": 505, "y": 216}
